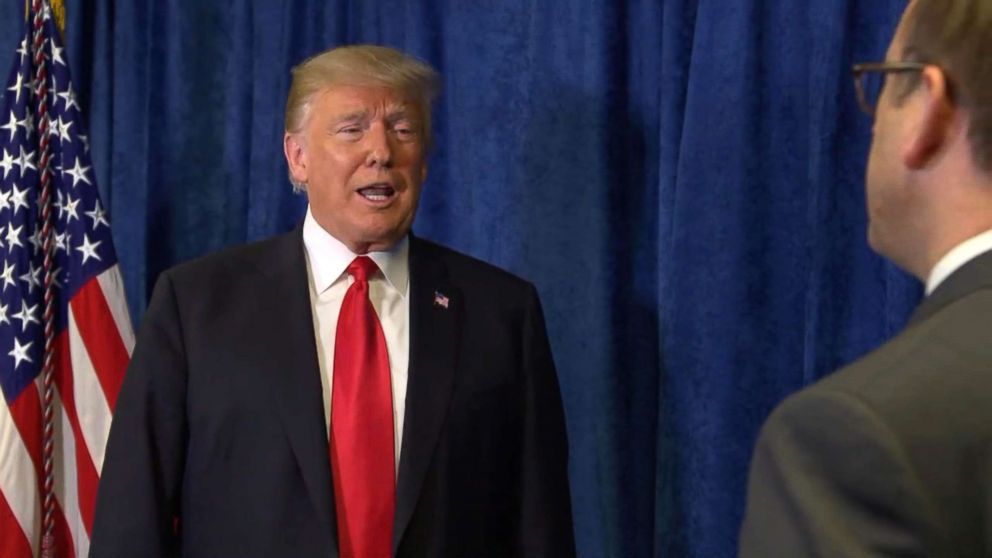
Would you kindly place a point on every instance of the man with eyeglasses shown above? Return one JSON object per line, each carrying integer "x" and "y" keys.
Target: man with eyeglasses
{"x": 892, "y": 456}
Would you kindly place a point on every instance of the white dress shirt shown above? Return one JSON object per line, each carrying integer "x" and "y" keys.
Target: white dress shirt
{"x": 327, "y": 260}
{"x": 957, "y": 257}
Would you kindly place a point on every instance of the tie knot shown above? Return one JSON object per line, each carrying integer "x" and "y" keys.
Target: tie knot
{"x": 361, "y": 268}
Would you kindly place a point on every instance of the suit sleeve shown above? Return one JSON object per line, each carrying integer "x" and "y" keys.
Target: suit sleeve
{"x": 829, "y": 478}
{"x": 138, "y": 497}
{"x": 546, "y": 513}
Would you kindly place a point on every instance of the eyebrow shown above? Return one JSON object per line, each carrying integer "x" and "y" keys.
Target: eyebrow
{"x": 357, "y": 115}
{"x": 401, "y": 114}
{"x": 392, "y": 114}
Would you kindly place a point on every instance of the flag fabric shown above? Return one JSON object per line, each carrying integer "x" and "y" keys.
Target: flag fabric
{"x": 92, "y": 336}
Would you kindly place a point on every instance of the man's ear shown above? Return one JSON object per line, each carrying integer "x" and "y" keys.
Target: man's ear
{"x": 933, "y": 127}
{"x": 296, "y": 157}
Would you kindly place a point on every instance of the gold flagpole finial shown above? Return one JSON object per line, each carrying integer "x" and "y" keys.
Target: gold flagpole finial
{"x": 58, "y": 12}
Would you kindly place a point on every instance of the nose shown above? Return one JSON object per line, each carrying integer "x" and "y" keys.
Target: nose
{"x": 380, "y": 152}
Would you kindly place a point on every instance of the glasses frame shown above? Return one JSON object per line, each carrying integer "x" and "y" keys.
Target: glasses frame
{"x": 859, "y": 70}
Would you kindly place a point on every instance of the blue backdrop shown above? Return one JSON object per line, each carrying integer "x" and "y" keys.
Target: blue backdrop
{"x": 681, "y": 179}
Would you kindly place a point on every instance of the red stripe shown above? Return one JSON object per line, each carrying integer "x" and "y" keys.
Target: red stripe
{"x": 26, "y": 412}
{"x": 27, "y": 415}
{"x": 86, "y": 475}
{"x": 13, "y": 543}
{"x": 64, "y": 546}
{"x": 102, "y": 338}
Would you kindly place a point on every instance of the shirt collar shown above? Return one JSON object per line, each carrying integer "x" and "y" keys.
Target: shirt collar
{"x": 329, "y": 258}
{"x": 957, "y": 257}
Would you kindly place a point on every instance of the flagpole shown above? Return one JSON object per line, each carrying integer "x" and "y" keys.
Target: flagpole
{"x": 39, "y": 85}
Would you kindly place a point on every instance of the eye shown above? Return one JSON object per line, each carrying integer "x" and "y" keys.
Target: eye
{"x": 350, "y": 131}
{"x": 404, "y": 131}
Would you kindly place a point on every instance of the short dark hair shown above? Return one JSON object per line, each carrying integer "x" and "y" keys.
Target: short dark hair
{"x": 957, "y": 36}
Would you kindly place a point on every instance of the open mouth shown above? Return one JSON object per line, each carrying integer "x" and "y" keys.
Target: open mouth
{"x": 377, "y": 192}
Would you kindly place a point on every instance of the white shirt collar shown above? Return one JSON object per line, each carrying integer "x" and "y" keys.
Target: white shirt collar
{"x": 329, "y": 258}
{"x": 957, "y": 257}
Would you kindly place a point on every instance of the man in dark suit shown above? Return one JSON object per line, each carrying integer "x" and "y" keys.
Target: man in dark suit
{"x": 346, "y": 389}
{"x": 892, "y": 456}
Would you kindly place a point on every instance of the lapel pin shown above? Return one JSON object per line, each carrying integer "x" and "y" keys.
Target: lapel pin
{"x": 440, "y": 299}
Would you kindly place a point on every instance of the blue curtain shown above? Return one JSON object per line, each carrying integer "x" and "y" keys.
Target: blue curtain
{"x": 682, "y": 180}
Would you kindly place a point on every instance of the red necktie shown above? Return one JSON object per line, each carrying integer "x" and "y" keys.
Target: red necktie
{"x": 361, "y": 445}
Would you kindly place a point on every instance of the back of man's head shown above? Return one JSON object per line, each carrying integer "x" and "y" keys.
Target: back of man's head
{"x": 957, "y": 36}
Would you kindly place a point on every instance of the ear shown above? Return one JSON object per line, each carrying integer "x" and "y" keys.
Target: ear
{"x": 296, "y": 157}
{"x": 932, "y": 130}
{"x": 423, "y": 172}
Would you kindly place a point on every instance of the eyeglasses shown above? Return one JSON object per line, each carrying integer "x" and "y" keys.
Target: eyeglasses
{"x": 869, "y": 80}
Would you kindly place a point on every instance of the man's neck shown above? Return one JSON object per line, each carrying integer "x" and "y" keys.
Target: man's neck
{"x": 956, "y": 256}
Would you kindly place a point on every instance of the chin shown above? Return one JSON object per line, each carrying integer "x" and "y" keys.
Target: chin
{"x": 873, "y": 241}
{"x": 383, "y": 240}
{"x": 878, "y": 245}
{"x": 387, "y": 230}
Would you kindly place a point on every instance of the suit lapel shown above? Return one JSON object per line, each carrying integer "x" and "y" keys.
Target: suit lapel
{"x": 972, "y": 276}
{"x": 296, "y": 386}
{"x": 435, "y": 311}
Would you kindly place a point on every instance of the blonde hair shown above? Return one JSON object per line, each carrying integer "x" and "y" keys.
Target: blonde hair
{"x": 361, "y": 65}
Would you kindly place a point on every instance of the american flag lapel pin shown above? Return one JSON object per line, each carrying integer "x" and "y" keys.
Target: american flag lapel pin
{"x": 440, "y": 299}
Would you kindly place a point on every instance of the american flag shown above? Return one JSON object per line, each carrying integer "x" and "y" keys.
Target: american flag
{"x": 91, "y": 338}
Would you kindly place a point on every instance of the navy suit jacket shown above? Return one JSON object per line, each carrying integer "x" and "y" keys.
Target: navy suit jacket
{"x": 219, "y": 445}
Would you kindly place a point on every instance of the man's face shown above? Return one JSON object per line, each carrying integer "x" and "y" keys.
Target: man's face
{"x": 361, "y": 156}
{"x": 887, "y": 196}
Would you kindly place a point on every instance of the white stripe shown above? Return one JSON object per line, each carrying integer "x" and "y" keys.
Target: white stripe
{"x": 92, "y": 408}
{"x": 67, "y": 483}
{"x": 113, "y": 292}
{"x": 18, "y": 479}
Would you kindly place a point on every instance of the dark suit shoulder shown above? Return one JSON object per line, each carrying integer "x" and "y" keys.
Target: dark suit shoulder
{"x": 494, "y": 298}
{"x": 227, "y": 285}
{"x": 948, "y": 354}
{"x": 828, "y": 478}
{"x": 259, "y": 256}
{"x": 468, "y": 268}
{"x": 924, "y": 397}
{"x": 931, "y": 385}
